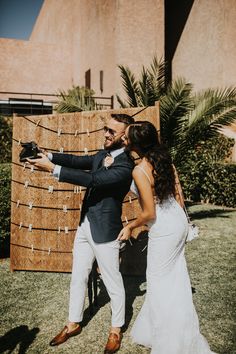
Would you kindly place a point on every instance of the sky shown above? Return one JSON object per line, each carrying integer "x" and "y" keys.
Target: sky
{"x": 17, "y": 18}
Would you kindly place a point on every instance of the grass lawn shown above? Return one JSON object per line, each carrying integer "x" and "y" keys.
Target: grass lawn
{"x": 34, "y": 304}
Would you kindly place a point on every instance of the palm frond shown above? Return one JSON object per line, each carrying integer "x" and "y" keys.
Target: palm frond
{"x": 186, "y": 119}
{"x": 157, "y": 73}
{"x": 174, "y": 108}
{"x": 121, "y": 102}
{"x": 148, "y": 89}
{"x": 130, "y": 86}
{"x": 209, "y": 103}
{"x": 144, "y": 89}
{"x": 213, "y": 109}
{"x": 76, "y": 99}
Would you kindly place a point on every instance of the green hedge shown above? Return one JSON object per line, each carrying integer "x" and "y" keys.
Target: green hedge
{"x": 205, "y": 179}
{"x": 5, "y": 208}
{"x": 214, "y": 184}
{"x": 5, "y": 139}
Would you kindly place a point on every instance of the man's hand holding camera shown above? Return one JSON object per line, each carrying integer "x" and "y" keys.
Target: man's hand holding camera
{"x": 42, "y": 163}
{"x": 35, "y": 156}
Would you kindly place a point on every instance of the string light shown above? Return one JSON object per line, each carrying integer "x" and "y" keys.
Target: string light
{"x": 30, "y": 206}
{"x": 66, "y": 151}
{"x": 47, "y": 188}
{"x": 57, "y": 131}
{"x": 30, "y": 228}
{"x": 32, "y": 248}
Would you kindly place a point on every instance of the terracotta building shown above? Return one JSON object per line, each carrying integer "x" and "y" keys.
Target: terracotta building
{"x": 78, "y": 42}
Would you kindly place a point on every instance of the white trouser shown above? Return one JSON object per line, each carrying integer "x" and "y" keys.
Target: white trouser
{"x": 107, "y": 256}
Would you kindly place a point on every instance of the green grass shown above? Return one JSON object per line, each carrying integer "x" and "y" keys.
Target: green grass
{"x": 34, "y": 305}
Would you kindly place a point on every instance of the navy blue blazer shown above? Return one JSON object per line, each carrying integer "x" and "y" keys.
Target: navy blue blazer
{"x": 106, "y": 189}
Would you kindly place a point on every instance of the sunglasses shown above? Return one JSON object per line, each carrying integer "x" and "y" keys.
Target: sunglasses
{"x": 111, "y": 131}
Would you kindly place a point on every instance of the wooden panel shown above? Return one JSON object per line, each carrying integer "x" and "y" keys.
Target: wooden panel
{"x": 45, "y": 213}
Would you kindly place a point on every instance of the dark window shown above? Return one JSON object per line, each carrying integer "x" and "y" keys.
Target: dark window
{"x": 101, "y": 81}
{"x": 88, "y": 79}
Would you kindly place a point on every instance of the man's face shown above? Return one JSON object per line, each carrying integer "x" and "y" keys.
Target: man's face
{"x": 113, "y": 133}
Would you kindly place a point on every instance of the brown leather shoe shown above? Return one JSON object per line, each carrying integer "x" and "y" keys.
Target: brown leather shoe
{"x": 64, "y": 335}
{"x": 113, "y": 343}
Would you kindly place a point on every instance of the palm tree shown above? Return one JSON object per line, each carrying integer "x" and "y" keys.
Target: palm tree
{"x": 148, "y": 89}
{"x": 186, "y": 118}
{"x": 212, "y": 110}
{"x": 76, "y": 99}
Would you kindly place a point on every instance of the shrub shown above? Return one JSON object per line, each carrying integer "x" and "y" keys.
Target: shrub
{"x": 5, "y": 139}
{"x": 76, "y": 99}
{"x": 207, "y": 177}
{"x": 5, "y": 208}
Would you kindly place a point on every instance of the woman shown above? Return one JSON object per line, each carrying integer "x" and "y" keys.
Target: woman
{"x": 167, "y": 322}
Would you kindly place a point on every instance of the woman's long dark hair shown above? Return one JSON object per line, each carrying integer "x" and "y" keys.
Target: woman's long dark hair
{"x": 143, "y": 138}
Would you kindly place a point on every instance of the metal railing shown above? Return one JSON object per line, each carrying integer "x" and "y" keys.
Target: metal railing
{"x": 29, "y": 103}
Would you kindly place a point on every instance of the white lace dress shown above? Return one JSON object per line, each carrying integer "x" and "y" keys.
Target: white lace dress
{"x": 167, "y": 321}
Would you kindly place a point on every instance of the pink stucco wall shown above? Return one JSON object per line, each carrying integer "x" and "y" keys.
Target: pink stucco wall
{"x": 43, "y": 63}
{"x": 73, "y": 36}
{"x": 32, "y": 67}
{"x": 118, "y": 32}
{"x": 207, "y": 49}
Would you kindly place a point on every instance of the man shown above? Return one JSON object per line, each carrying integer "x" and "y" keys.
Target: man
{"x": 100, "y": 223}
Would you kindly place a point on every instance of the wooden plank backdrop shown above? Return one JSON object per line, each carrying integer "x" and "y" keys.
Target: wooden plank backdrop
{"x": 45, "y": 213}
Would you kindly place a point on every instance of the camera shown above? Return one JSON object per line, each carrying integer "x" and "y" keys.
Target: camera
{"x": 30, "y": 151}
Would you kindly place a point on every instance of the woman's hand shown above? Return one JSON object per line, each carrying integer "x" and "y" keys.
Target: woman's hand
{"x": 125, "y": 234}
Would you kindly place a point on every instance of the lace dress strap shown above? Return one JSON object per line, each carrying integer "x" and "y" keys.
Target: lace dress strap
{"x": 146, "y": 174}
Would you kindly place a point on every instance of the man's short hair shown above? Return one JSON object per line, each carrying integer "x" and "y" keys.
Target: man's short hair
{"x": 123, "y": 118}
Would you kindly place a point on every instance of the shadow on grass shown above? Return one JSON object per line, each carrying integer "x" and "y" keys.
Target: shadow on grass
{"x": 210, "y": 213}
{"x": 102, "y": 300}
{"x": 133, "y": 269}
{"x": 132, "y": 289}
{"x": 5, "y": 247}
{"x": 19, "y": 335}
